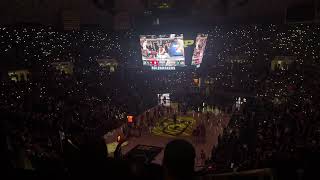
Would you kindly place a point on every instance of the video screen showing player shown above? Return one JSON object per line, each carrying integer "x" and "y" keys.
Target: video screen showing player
{"x": 164, "y": 99}
{"x": 162, "y": 50}
{"x": 200, "y": 46}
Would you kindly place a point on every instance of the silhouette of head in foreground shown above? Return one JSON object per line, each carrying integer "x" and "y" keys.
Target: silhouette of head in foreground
{"x": 178, "y": 160}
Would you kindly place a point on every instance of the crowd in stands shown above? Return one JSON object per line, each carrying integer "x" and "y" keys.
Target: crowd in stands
{"x": 40, "y": 113}
{"x": 278, "y": 123}
{"x": 278, "y": 129}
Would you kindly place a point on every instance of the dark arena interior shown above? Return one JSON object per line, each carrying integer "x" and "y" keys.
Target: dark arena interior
{"x": 160, "y": 89}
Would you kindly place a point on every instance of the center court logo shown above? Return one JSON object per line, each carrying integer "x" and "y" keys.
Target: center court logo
{"x": 188, "y": 43}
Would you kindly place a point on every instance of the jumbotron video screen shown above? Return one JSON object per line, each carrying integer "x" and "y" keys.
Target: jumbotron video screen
{"x": 199, "y": 48}
{"x": 164, "y": 99}
{"x": 162, "y": 51}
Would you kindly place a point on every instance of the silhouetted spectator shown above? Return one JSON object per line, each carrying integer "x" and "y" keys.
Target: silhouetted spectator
{"x": 179, "y": 160}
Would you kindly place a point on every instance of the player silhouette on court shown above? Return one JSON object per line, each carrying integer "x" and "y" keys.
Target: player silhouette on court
{"x": 175, "y": 118}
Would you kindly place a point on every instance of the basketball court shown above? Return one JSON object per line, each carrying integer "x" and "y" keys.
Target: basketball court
{"x": 166, "y": 127}
{"x": 166, "y": 130}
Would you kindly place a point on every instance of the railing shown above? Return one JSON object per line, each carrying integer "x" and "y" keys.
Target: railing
{"x": 259, "y": 174}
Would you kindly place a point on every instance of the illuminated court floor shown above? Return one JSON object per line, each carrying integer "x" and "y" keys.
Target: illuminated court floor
{"x": 167, "y": 128}
{"x": 165, "y": 131}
